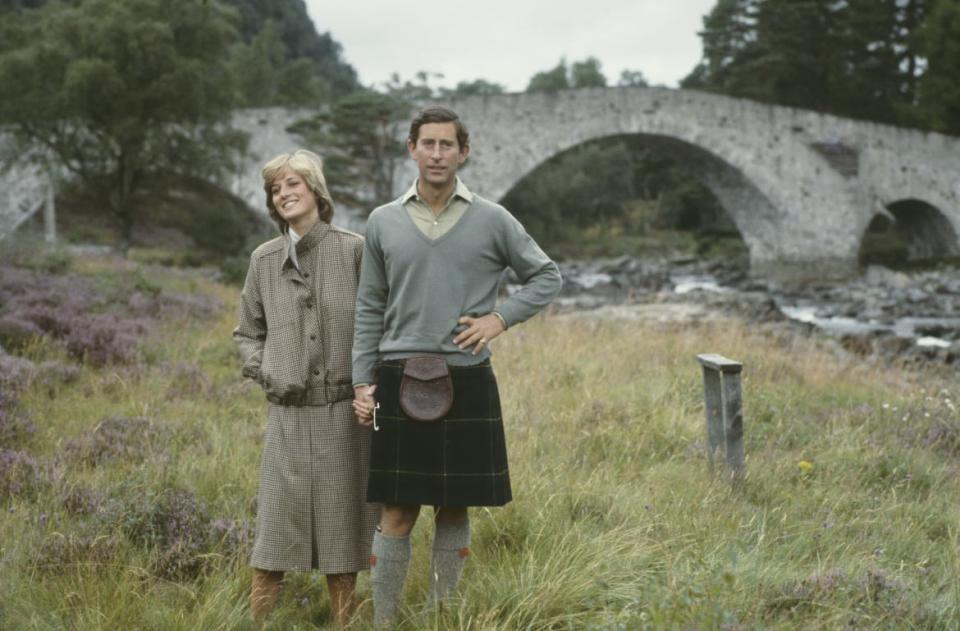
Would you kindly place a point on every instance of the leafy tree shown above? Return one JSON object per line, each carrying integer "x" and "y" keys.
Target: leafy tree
{"x": 358, "y": 138}
{"x": 858, "y": 58}
{"x": 579, "y": 74}
{"x": 125, "y": 96}
{"x": 475, "y": 87}
{"x": 550, "y": 80}
{"x": 587, "y": 74}
{"x": 300, "y": 37}
{"x": 939, "y": 89}
{"x": 632, "y": 79}
{"x": 264, "y": 74}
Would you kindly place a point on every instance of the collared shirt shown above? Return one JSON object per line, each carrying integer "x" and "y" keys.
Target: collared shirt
{"x": 294, "y": 237}
{"x": 435, "y": 226}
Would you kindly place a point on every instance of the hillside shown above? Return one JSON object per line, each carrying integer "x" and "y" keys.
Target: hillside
{"x": 129, "y": 455}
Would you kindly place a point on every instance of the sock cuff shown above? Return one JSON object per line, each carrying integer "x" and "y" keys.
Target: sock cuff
{"x": 452, "y": 536}
{"x": 391, "y": 548}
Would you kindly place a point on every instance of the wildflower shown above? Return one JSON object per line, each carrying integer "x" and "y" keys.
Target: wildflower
{"x": 805, "y": 465}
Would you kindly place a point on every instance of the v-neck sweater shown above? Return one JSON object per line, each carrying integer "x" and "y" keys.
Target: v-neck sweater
{"x": 413, "y": 289}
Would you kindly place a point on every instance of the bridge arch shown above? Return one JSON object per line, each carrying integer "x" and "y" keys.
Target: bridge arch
{"x": 911, "y": 229}
{"x": 737, "y": 195}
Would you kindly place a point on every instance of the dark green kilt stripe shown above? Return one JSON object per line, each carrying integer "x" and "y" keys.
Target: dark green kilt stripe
{"x": 458, "y": 461}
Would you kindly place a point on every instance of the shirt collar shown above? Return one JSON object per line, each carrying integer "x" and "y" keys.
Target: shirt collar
{"x": 307, "y": 241}
{"x": 460, "y": 190}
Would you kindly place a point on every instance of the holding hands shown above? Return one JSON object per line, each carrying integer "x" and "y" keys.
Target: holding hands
{"x": 478, "y": 334}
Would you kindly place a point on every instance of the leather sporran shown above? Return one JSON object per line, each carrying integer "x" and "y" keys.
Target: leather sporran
{"x": 426, "y": 389}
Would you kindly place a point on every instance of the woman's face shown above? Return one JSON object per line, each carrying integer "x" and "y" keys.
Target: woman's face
{"x": 294, "y": 200}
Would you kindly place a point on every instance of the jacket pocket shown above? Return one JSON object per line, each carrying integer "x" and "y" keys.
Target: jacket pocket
{"x": 283, "y": 373}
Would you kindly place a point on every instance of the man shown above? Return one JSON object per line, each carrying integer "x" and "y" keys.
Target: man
{"x": 432, "y": 264}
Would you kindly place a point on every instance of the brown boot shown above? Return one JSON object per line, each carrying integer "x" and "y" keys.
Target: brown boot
{"x": 264, "y": 591}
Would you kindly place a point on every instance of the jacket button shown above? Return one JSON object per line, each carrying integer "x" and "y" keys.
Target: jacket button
{"x": 309, "y": 305}
{"x": 306, "y": 274}
{"x": 316, "y": 372}
{"x": 313, "y": 337}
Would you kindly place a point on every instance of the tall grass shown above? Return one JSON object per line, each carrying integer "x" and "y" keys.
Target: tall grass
{"x": 847, "y": 517}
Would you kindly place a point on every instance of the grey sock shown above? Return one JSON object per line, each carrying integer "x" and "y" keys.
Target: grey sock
{"x": 388, "y": 568}
{"x": 451, "y": 546}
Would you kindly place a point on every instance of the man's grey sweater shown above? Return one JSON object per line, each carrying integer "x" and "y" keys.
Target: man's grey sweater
{"x": 413, "y": 290}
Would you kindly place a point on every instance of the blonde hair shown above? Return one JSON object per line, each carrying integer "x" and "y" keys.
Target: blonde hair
{"x": 307, "y": 165}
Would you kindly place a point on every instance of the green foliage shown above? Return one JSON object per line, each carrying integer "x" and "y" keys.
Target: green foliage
{"x": 357, "y": 136}
{"x": 475, "y": 87}
{"x": 632, "y": 79}
{"x": 595, "y": 188}
{"x": 120, "y": 94}
{"x": 579, "y": 74}
{"x": 862, "y": 58}
{"x": 265, "y": 76}
{"x": 940, "y": 84}
{"x": 301, "y": 40}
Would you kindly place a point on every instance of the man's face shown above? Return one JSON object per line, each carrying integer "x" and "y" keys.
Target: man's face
{"x": 437, "y": 153}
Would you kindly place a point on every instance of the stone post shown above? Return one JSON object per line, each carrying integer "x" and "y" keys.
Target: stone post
{"x": 724, "y": 413}
{"x": 50, "y": 210}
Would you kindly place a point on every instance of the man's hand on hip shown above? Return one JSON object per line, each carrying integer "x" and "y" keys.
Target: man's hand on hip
{"x": 363, "y": 404}
{"x": 479, "y": 332}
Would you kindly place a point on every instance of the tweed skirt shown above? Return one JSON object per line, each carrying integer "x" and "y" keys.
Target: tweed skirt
{"x": 311, "y": 512}
{"x": 458, "y": 461}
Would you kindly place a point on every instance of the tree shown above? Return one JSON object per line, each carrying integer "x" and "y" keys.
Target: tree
{"x": 857, "y": 58}
{"x": 265, "y": 75}
{"x": 300, "y": 37}
{"x": 550, "y": 80}
{"x": 580, "y": 74}
{"x": 939, "y": 89}
{"x": 358, "y": 138}
{"x": 475, "y": 87}
{"x": 587, "y": 74}
{"x": 632, "y": 79}
{"x": 125, "y": 96}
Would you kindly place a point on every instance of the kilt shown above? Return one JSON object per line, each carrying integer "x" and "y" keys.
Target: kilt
{"x": 310, "y": 508}
{"x": 458, "y": 461}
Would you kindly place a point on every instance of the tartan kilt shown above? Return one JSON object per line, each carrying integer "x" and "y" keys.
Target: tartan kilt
{"x": 458, "y": 461}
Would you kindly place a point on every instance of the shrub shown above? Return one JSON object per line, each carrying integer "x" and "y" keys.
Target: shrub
{"x": 130, "y": 439}
{"x": 20, "y": 474}
{"x": 14, "y": 426}
{"x": 59, "y": 550}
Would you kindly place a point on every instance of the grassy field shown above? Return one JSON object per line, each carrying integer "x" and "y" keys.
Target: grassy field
{"x": 130, "y": 504}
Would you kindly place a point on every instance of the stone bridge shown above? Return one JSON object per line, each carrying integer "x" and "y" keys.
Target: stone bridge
{"x": 801, "y": 187}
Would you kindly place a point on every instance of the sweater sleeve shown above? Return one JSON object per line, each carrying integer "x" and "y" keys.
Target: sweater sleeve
{"x": 371, "y": 305}
{"x": 251, "y": 330}
{"x": 539, "y": 275}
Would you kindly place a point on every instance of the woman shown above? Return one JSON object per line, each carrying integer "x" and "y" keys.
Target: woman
{"x": 295, "y": 336}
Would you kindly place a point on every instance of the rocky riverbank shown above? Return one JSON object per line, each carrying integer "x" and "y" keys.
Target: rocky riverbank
{"x": 886, "y": 314}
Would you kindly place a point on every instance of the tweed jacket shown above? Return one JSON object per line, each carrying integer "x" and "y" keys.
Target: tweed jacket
{"x": 295, "y": 329}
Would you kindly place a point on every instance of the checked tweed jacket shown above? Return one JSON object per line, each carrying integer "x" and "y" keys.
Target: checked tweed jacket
{"x": 295, "y": 334}
{"x": 296, "y": 330}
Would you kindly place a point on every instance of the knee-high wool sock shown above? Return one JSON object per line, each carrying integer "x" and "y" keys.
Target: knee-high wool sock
{"x": 388, "y": 570}
{"x": 451, "y": 546}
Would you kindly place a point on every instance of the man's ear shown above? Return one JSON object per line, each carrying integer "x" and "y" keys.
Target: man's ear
{"x": 411, "y": 146}
{"x": 464, "y": 153}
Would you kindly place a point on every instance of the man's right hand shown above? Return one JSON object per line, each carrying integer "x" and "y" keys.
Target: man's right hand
{"x": 363, "y": 403}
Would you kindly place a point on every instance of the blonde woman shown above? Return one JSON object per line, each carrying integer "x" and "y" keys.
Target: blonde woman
{"x": 295, "y": 334}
